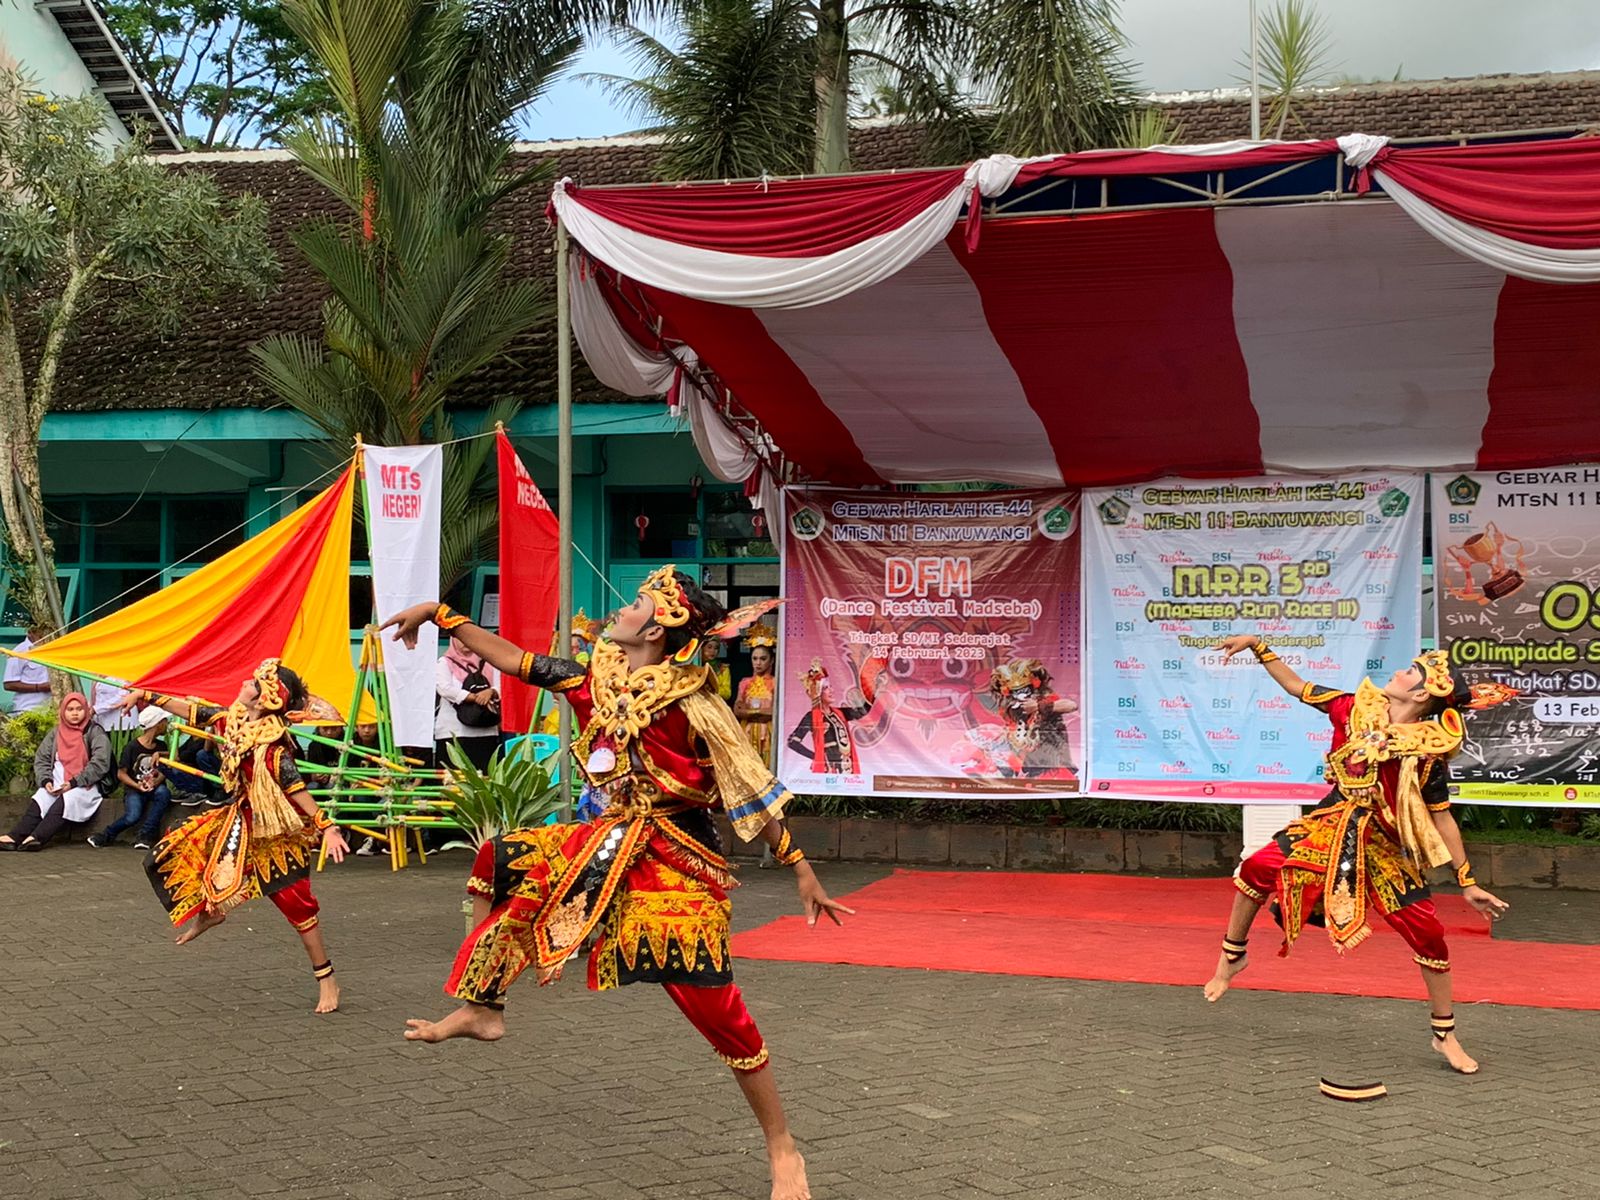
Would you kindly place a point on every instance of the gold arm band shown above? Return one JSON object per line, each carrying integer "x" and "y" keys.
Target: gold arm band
{"x": 447, "y": 618}
{"x": 787, "y": 853}
{"x": 1464, "y": 875}
{"x": 1264, "y": 653}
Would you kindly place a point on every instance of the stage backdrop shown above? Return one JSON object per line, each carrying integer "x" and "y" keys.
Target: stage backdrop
{"x": 918, "y": 608}
{"x": 1517, "y": 591}
{"x": 1328, "y": 570}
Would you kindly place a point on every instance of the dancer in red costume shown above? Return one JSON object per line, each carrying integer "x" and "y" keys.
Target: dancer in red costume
{"x": 1386, "y": 822}
{"x": 647, "y": 876}
{"x": 263, "y": 841}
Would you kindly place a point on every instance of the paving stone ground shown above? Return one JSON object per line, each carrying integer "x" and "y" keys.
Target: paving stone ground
{"x": 133, "y": 1070}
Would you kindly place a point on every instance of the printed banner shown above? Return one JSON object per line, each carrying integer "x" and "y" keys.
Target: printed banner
{"x": 1516, "y": 559}
{"x": 931, "y": 643}
{"x": 405, "y": 487}
{"x": 1329, "y": 571}
{"x": 529, "y": 578}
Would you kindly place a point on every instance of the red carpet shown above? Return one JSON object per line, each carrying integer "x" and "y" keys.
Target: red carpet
{"x": 1140, "y": 930}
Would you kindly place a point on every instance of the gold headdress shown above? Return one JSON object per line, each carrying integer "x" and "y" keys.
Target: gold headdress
{"x": 1436, "y": 677}
{"x": 586, "y": 627}
{"x": 672, "y": 606}
{"x": 813, "y": 678}
{"x": 761, "y": 634}
{"x": 272, "y": 697}
{"x": 1018, "y": 673}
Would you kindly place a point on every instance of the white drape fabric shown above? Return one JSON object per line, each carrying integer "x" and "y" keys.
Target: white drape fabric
{"x": 1545, "y": 264}
{"x": 616, "y": 359}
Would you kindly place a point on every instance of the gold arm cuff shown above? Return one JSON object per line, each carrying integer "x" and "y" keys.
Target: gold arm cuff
{"x": 447, "y": 618}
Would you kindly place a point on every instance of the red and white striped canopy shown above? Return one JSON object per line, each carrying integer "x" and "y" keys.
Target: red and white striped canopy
{"x": 881, "y": 331}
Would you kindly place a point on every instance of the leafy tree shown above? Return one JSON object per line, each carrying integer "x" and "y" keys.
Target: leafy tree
{"x": 423, "y": 294}
{"x": 224, "y": 72}
{"x": 81, "y": 230}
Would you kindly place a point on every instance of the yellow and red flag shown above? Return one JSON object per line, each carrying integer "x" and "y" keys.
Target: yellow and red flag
{"x": 283, "y": 594}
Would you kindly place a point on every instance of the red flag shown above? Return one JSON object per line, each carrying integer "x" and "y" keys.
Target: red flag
{"x": 529, "y": 577}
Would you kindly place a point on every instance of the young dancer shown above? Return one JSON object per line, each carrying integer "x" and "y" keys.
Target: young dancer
{"x": 1385, "y": 823}
{"x": 823, "y": 734}
{"x": 758, "y": 694}
{"x": 263, "y": 841}
{"x": 647, "y": 875}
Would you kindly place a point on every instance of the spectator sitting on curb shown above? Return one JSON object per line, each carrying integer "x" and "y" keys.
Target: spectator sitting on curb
{"x": 72, "y": 760}
{"x": 145, "y": 795}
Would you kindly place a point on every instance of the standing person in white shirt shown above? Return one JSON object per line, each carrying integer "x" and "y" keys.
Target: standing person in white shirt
{"x": 28, "y": 681}
{"x": 106, "y": 701}
{"x": 469, "y": 705}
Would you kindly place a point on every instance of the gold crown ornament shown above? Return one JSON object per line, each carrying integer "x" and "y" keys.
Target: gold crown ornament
{"x": 672, "y": 606}
{"x": 270, "y": 687}
{"x": 761, "y": 634}
{"x": 1436, "y": 677}
{"x": 813, "y": 678}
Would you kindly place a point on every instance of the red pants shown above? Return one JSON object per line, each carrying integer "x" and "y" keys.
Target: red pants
{"x": 1417, "y": 922}
{"x": 719, "y": 1013}
{"x": 297, "y": 904}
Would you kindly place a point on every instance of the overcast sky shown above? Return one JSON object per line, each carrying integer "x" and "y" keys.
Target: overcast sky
{"x": 1196, "y": 44}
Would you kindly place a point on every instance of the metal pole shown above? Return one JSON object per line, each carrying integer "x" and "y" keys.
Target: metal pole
{"x": 564, "y": 476}
{"x": 1255, "y": 75}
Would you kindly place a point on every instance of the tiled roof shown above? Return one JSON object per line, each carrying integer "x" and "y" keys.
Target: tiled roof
{"x": 206, "y": 365}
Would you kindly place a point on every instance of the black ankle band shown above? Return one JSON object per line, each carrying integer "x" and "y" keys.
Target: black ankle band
{"x": 1444, "y": 1026}
{"x": 1233, "y": 950}
{"x": 323, "y": 971}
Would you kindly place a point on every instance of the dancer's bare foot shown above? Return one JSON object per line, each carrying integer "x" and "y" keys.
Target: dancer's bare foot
{"x": 469, "y": 1021}
{"x": 327, "y": 995}
{"x": 1223, "y": 979}
{"x": 1458, "y": 1058}
{"x": 199, "y": 925}
{"x": 789, "y": 1174}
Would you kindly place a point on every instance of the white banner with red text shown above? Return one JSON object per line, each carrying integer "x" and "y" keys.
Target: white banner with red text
{"x": 405, "y": 486}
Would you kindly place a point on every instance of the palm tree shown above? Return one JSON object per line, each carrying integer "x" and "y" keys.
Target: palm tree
{"x": 1054, "y": 72}
{"x": 729, "y": 102}
{"x": 422, "y": 292}
{"x": 1295, "y": 45}
{"x": 737, "y": 100}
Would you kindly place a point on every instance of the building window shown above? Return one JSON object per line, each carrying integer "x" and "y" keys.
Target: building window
{"x": 122, "y": 547}
{"x": 672, "y": 526}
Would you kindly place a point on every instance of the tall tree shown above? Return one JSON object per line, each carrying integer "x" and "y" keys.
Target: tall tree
{"x": 737, "y": 100}
{"x": 1054, "y": 72}
{"x": 224, "y": 72}
{"x": 423, "y": 294}
{"x": 1026, "y": 76}
{"x": 78, "y": 230}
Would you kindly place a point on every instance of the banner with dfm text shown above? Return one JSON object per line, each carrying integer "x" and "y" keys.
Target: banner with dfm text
{"x": 942, "y": 633}
{"x": 405, "y": 499}
{"x": 1517, "y": 593}
{"x": 1327, "y": 570}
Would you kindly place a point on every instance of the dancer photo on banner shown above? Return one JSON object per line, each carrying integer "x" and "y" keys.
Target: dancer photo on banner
{"x": 931, "y": 643}
{"x": 1517, "y": 594}
{"x": 1328, "y": 569}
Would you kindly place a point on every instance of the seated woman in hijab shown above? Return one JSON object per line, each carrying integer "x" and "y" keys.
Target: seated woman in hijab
{"x": 72, "y": 760}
